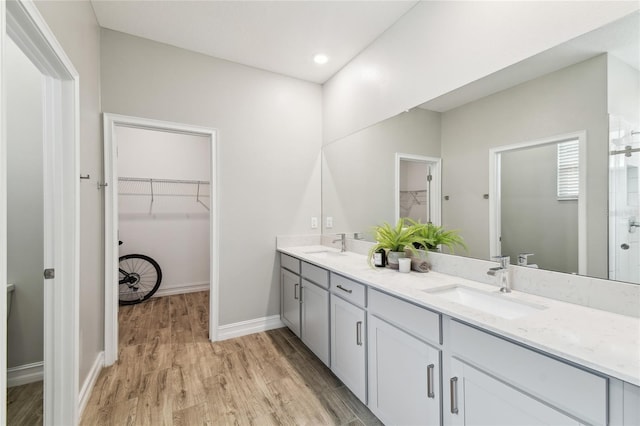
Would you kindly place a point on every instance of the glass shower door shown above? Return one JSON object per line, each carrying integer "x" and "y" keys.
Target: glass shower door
{"x": 624, "y": 206}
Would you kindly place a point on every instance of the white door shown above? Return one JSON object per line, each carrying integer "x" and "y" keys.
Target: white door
{"x": 290, "y": 293}
{"x": 477, "y": 399}
{"x": 404, "y": 376}
{"x": 315, "y": 319}
{"x": 61, "y": 174}
{"x": 348, "y": 354}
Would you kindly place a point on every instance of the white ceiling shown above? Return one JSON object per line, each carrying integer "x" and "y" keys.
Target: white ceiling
{"x": 278, "y": 36}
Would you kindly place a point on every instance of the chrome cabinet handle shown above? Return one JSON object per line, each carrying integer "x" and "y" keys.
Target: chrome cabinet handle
{"x": 453, "y": 388}
{"x": 295, "y": 291}
{"x": 430, "y": 393}
{"x": 359, "y": 333}
{"x": 344, "y": 289}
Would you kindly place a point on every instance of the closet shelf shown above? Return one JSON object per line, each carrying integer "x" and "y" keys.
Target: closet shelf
{"x": 198, "y": 189}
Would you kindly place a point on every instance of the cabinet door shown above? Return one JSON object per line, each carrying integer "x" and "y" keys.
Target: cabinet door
{"x": 475, "y": 398}
{"x": 348, "y": 354}
{"x": 290, "y": 300}
{"x": 315, "y": 319}
{"x": 404, "y": 376}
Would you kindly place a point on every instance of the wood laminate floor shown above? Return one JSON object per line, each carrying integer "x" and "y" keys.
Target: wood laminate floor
{"x": 24, "y": 405}
{"x": 168, "y": 373}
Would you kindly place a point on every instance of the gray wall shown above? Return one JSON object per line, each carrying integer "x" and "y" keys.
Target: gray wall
{"x": 623, "y": 90}
{"x": 533, "y": 219}
{"x": 75, "y": 26}
{"x": 568, "y": 100}
{"x": 25, "y": 244}
{"x": 268, "y": 155}
{"x": 358, "y": 171}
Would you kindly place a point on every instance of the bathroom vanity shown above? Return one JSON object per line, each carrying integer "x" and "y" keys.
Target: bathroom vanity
{"x": 437, "y": 349}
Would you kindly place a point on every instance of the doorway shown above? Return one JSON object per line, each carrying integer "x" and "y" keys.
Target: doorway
{"x": 538, "y": 202}
{"x": 25, "y": 239}
{"x": 417, "y": 188}
{"x": 138, "y": 193}
{"x": 58, "y": 235}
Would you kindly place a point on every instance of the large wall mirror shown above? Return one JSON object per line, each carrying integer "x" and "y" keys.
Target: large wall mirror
{"x": 589, "y": 86}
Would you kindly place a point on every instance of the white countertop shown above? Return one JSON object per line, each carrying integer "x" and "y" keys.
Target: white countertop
{"x": 602, "y": 341}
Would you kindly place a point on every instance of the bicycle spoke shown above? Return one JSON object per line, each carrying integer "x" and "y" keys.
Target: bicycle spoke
{"x": 142, "y": 276}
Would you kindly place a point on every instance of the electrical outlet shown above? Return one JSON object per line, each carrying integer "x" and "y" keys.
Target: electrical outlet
{"x": 314, "y": 223}
{"x": 329, "y": 221}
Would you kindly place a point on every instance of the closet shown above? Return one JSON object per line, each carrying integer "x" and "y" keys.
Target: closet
{"x": 164, "y": 202}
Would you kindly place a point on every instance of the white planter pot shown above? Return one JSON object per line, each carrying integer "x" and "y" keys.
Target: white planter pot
{"x": 392, "y": 258}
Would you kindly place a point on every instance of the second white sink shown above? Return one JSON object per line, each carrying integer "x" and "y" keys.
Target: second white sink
{"x": 495, "y": 304}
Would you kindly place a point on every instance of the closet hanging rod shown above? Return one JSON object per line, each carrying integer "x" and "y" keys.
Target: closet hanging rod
{"x": 164, "y": 187}
{"x": 186, "y": 181}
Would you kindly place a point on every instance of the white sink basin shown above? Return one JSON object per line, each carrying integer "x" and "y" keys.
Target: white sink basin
{"x": 492, "y": 303}
{"x": 325, "y": 253}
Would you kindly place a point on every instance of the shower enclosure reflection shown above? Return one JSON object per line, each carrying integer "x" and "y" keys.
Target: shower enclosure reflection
{"x": 624, "y": 208}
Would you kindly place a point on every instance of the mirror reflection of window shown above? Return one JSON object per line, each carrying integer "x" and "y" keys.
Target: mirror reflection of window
{"x": 568, "y": 170}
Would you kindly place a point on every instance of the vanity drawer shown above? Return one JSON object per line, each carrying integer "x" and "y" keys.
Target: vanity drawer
{"x": 290, "y": 263}
{"x": 348, "y": 289}
{"x": 315, "y": 274}
{"x": 418, "y": 321}
{"x": 573, "y": 390}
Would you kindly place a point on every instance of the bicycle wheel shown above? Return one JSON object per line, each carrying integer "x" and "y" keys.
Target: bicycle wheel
{"x": 140, "y": 277}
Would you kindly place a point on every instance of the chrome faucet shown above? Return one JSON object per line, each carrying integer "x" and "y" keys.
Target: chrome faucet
{"x": 502, "y": 272}
{"x": 343, "y": 241}
{"x": 523, "y": 259}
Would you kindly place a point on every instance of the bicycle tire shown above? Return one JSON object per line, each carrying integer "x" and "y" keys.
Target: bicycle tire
{"x": 148, "y": 276}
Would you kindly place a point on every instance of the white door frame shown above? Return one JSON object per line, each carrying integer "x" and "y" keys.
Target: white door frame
{"x": 21, "y": 20}
{"x": 435, "y": 204}
{"x": 495, "y": 219}
{"x": 111, "y": 221}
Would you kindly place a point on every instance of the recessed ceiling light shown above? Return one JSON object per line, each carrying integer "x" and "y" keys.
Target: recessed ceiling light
{"x": 320, "y": 59}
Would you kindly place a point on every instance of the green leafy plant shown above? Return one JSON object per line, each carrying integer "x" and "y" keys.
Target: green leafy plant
{"x": 397, "y": 238}
{"x": 435, "y": 236}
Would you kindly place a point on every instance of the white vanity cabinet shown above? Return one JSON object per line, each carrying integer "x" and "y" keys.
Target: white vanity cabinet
{"x": 348, "y": 334}
{"x": 479, "y": 399}
{"x": 314, "y": 303}
{"x": 493, "y": 381}
{"x": 404, "y": 370}
{"x": 290, "y": 298}
{"x": 413, "y": 365}
{"x": 304, "y": 304}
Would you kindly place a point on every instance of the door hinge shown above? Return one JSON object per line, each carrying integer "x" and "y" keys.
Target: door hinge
{"x": 429, "y": 178}
{"x": 49, "y": 274}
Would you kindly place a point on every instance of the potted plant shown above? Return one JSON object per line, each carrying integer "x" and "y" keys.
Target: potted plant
{"x": 436, "y": 236}
{"x": 395, "y": 240}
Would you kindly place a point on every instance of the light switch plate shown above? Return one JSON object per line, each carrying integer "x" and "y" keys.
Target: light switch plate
{"x": 329, "y": 221}
{"x": 314, "y": 223}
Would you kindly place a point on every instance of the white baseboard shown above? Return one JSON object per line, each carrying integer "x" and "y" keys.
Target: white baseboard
{"x": 181, "y": 289}
{"x": 243, "y": 328}
{"x": 89, "y": 383}
{"x": 25, "y": 374}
